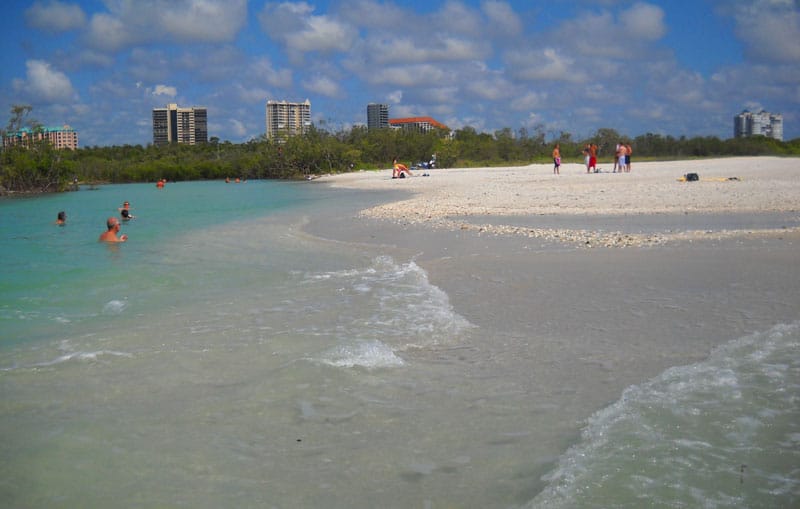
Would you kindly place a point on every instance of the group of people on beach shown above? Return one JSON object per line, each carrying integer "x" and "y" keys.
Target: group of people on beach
{"x": 622, "y": 158}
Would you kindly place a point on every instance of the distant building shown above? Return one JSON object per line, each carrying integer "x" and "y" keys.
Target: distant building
{"x": 422, "y": 124}
{"x": 758, "y": 124}
{"x": 59, "y": 137}
{"x": 180, "y": 125}
{"x": 377, "y": 116}
{"x": 287, "y": 119}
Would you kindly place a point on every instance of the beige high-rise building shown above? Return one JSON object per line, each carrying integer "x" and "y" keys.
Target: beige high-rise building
{"x": 180, "y": 125}
{"x": 287, "y": 119}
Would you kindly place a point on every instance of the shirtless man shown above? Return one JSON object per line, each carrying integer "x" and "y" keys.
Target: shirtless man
{"x": 110, "y": 235}
{"x": 592, "y": 158}
{"x": 628, "y": 152}
{"x": 557, "y": 160}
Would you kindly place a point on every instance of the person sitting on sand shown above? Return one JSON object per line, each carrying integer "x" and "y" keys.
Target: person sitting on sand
{"x": 110, "y": 235}
{"x": 61, "y": 219}
{"x": 400, "y": 170}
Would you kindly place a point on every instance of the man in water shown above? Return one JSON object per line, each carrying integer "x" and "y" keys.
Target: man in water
{"x": 61, "y": 219}
{"x": 110, "y": 235}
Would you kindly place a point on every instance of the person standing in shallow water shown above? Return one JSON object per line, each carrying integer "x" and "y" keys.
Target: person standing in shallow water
{"x": 125, "y": 211}
{"x": 110, "y": 235}
{"x": 557, "y": 159}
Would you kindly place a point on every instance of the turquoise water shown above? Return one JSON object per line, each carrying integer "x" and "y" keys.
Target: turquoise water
{"x": 222, "y": 357}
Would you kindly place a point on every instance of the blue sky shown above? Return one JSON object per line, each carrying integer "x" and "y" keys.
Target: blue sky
{"x": 672, "y": 67}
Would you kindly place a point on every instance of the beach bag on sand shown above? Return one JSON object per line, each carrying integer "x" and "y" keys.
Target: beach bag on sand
{"x": 692, "y": 177}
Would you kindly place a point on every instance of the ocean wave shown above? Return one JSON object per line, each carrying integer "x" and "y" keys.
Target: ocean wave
{"x": 710, "y": 434}
{"x": 393, "y": 303}
{"x": 68, "y": 357}
{"x": 370, "y": 355}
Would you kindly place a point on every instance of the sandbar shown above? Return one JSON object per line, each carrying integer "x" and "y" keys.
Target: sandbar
{"x": 488, "y": 199}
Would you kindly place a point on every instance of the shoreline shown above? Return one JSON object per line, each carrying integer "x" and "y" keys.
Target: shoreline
{"x": 570, "y": 329}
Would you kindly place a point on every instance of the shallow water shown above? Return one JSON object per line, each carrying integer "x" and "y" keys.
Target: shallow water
{"x": 224, "y": 357}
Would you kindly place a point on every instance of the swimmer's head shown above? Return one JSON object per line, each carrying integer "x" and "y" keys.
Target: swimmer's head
{"x": 112, "y": 222}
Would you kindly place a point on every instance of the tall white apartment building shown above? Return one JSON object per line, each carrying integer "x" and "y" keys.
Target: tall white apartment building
{"x": 762, "y": 123}
{"x": 180, "y": 125}
{"x": 287, "y": 119}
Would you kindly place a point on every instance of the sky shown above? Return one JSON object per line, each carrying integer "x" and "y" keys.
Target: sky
{"x": 668, "y": 67}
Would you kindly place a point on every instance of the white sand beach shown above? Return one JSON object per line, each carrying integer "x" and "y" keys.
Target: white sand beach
{"x": 449, "y": 197}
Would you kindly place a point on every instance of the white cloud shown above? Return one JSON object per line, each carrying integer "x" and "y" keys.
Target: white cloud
{"x": 238, "y": 128}
{"x": 263, "y": 71}
{"x": 643, "y": 21}
{"x": 294, "y": 25}
{"x": 395, "y": 97}
{"x": 108, "y": 33}
{"x": 490, "y": 88}
{"x": 130, "y": 22}
{"x": 401, "y": 49}
{"x": 455, "y": 17}
{"x": 55, "y": 16}
{"x": 324, "y": 86}
{"x": 770, "y": 29}
{"x": 529, "y": 101}
{"x": 409, "y": 76}
{"x": 441, "y": 95}
{"x": 203, "y": 20}
{"x": 45, "y": 83}
{"x": 502, "y": 17}
{"x": 546, "y": 64}
{"x": 165, "y": 90}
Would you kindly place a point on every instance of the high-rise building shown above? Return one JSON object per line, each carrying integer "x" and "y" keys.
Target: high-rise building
{"x": 180, "y": 125}
{"x": 422, "y": 124}
{"x": 287, "y": 119}
{"x": 377, "y": 116}
{"x": 758, "y": 124}
{"x": 59, "y": 137}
